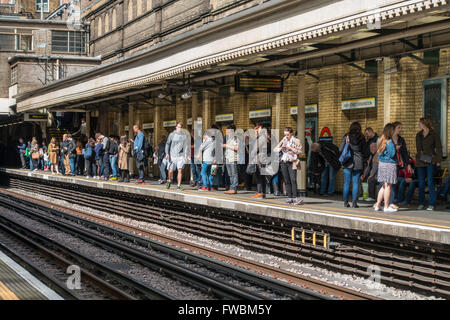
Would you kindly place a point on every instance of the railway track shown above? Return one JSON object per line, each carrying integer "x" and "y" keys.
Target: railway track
{"x": 402, "y": 270}
{"x": 64, "y": 221}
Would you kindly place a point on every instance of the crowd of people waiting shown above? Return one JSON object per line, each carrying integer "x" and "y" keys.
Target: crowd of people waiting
{"x": 368, "y": 162}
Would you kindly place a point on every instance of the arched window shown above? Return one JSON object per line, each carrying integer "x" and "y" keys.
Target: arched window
{"x": 130, "y": 10}
{"x": 139, "y": 7}
{"x": 107, "y": 22}
{"x": 114, "y": 18}
{"x": 99, "y": 27}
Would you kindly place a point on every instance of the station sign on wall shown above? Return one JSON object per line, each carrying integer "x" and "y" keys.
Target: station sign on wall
{"x": 35, "y": 117}
{"x": 189, "y": 121}
{"x": 147, "y": 126}
{"x": 224, "y": 117}
{"x": 309, "y": 108}
{"x": 361, "y": 103}
{"x": 126, "y": 128}
{"x": 171, "y": 123}
{"x": 262, "y": 113}
{"x": 244, "y": 83}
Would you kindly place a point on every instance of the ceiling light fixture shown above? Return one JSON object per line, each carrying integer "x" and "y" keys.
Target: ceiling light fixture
{"x": 187, "y": 94}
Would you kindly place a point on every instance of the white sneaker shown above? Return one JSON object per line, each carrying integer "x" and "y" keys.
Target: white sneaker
{"x": 390, "y": 209}
{"x": 369, "y": 199}
{"x": 376, "y": 208}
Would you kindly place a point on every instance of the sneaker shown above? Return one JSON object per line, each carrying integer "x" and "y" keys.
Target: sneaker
{"x": 140, "y": 181}
{"x": 390, "y": 209}
{"x": 376, "y": 208}
{"x": 361, "y": 198}
{"x": 289, "y": 201}
{"x": 112, "y": 179}
{"x": 394, "y": 206}
{"x": 298, "y": 202}
{"x": 210, "y": 189}
{"x": 430, "y": 208}
{"x": 231, "y": 191}
{"x": 257, "y": 196}
{"x": 203, "y": 189}
{"x": 420, "y": 207}
{"x": 88, "y": 177}
{"x": 180, "y": 187}
{"x": 369, "y": 199}
{"x": 403, "y": 203}
{"x": 168, "y": 184}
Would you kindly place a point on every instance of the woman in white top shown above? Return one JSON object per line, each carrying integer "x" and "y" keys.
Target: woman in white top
{"x": 290, "y": 147}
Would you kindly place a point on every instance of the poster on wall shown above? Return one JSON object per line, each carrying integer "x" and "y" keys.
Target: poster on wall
{"x": 434, "y": 107}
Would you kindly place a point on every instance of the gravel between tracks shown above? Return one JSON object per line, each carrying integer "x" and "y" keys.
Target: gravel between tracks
{"x": 306, "y": 269}
{"x": 137, "y": 271}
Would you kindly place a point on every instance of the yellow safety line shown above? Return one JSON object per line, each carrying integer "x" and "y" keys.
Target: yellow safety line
{"x": 314, "y": 239}
{"x": 6, "y": 294}
{"x": 325, "y": 241}
{"x": 318, "y": 207}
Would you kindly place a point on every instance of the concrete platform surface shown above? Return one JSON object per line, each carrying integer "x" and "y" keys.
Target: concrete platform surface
{"x": 16, "y": 283}
{"x": 431, "y": 226}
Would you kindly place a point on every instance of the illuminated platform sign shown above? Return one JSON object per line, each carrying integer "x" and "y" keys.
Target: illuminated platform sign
{"x": 258, "y": 84}
{"x": 35, "y": 117}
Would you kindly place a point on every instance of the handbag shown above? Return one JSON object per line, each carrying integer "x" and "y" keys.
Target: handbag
{"x": 214, "y": 169}
{"x": 345, "y": 155}
{"x": 35, "y": 155}
{"x": 425, "y": 158}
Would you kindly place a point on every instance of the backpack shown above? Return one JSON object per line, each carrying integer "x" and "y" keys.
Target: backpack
{"x": 146, "y": 147}
{"x": 88, "y": 152}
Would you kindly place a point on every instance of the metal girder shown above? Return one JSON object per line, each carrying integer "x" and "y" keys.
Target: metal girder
{"x": 312, "y": 75}
{"x": 416, "y": 57}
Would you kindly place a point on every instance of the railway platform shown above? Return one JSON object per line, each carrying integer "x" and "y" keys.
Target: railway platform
{"x": 425, "y": 226}
{"x": 16, "y": 283}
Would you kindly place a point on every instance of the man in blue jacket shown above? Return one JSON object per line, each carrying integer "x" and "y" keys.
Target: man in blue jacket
{"x": 139, "y": 152}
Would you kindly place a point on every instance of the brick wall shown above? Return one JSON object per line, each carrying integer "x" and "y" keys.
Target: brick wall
{"x": 336, "y": 84}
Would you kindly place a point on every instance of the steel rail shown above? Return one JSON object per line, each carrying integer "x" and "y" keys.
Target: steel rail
{"x": 305, "y": 282}
{"x": 49, "y": 280}
{"x": 33, "y": 238}
{"x": 405, "y": 274}
{"x": 218, "y": 287}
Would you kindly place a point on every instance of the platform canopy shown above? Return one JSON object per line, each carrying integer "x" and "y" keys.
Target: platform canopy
{"x": 277, "y": 37}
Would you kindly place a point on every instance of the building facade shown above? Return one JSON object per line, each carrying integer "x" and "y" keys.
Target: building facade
{"x": 339, "y": 61}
